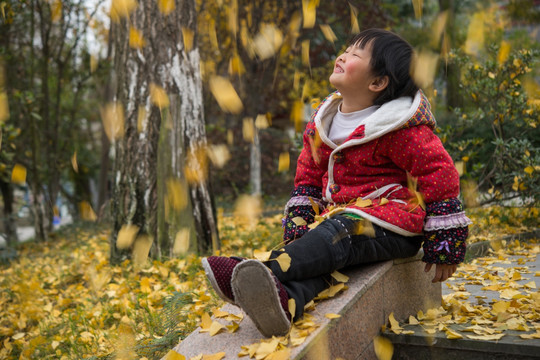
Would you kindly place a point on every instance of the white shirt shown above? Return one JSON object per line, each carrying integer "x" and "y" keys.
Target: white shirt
{"x": 344, "y": 124}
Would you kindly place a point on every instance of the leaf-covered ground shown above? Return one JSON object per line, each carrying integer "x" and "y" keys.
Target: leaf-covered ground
{"x": 63, "y": 300}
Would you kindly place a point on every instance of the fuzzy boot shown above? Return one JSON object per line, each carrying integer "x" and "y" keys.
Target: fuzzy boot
{"x": 219, "y": 270}
{"x": 262, "y": 296}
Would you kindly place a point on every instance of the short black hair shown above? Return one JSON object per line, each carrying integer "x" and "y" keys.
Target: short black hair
{"x": 391, "y": 56}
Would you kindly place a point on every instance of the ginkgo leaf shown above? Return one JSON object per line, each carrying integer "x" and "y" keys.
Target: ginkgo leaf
{"x": 423, "y": 68}
{"x": 363, "y": 202}
{"x": 309, "y": 12}
{"x": 332, "y": 316}
{"x": 292, "y": 306}
{"x": 206, "y": 321}
{"x": 297, "y": 114}
{"x": 126, "y": 236}
{"x": 413, "y": 321}
{"x": 451, "y": 334}
{"x": 216, "y": 356}
{"x": 328, "y": 33}
{"x": 181, "y": 241}
{"x": 340, "y": 277}
{"x": 394, "y": 324}
{"x": 314, "y": 205}
{"x": 173, "y": 355}
{"x": 475, "y": 34}
{"x": 122, "y": 8}
{"x": 56, "y": 10}
{"x": 225, "y": 95}
{"x": 141, "y": 249}
{"x": 18, "y": 174}
{"x": 74, "y": 162}
{"x": 284, "y": 162}
{"x": 267, "y": 41}
{"x": 383, "y": 201}
{"x": 299, "y": 221}
{"x": 284, "y": 354}
{"x": 136, "y": 39}
{"x": 417, "y": 6}
{"x": 266, "y": 348}
{"x": 158, "y": 96}
{"x": 232, "y": 328}
{"x": 177, "y": 194}
{"x": 384, "y": 349}
{"x": 486, "y": 337}
{"x": 166, "y": 6}
{"x": 284, "y": 261}
{"x": 4, "y": 106}
{"x": 187, "y": 36}
{"x": 215, "y": 328}
{"x": 355, "y": 27}
{"x": 219, "y": 155}
{"x": 262, "y": 255}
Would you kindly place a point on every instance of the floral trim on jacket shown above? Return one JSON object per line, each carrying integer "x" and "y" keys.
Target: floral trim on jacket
{"x": 446, "y": 231}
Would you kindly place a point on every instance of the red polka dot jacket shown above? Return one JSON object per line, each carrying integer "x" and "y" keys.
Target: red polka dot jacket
{"x": 370, "y": 175}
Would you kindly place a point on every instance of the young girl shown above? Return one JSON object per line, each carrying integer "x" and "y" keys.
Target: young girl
{"x": 363, "y": 146}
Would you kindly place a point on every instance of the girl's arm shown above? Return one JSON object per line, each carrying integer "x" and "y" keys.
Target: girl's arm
{"x": 420, "y": 152}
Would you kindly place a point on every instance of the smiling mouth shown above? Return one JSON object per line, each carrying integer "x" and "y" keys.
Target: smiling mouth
{"x": 338, "y": 69}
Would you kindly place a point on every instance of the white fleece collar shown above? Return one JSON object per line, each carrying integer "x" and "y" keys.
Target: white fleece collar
{"x": 389, "y": 117}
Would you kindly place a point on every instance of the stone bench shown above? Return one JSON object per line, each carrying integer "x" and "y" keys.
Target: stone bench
{"x": 374, "y": 291}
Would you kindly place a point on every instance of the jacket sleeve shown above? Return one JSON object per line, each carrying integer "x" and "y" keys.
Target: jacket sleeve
{"x": 307, "y": 194}
{"x": 421, "y": 153}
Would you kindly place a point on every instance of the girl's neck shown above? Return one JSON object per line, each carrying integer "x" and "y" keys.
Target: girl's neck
{"x": 352, "y": 106}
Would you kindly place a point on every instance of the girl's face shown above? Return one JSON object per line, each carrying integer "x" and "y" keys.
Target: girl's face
{"x": 352, "y": 71}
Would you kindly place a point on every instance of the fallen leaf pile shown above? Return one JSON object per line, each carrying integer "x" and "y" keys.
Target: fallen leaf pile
{"x": 511, "y": 303}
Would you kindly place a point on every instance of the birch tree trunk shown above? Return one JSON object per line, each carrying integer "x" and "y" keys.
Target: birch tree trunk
{"x": 150, "y": 157}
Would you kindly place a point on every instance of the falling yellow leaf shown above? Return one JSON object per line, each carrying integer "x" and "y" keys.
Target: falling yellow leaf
{"x": 328, "y": 33}
{"x": 225, "y": 95}
{"x": 284, "y": 261}
{"x": 262, "y": 121}
{"x": 122, "y": 8}
{"x": 267, "y": 41}
{"x": 297, "y": 115}
{"x": 309, "y": 12}
{"x": 460, "y": 167}
{"x": 248, "y": 209}
{"x": 384, "y": 349}
{"x": 86, "y": 212}
{"x": 112, "y": 116}
{"x": 4, "y": 106}
{"x": 305, "y": 53}
{"x": 504, "y": 52}
{"x": 315, "y": 206}
{"x": 418, "y": 5}
{"x": 158, "y": 96}
{"x": 173, "y": 355}
{"x": 177, "y": 194}
{"x": 181, "y": 242}
{"x": 136, "y": 39}
{"x": 145, "y": 285}
{"x": 56, "y": 10}
{"x": 219, "y": 155}
{"x": 423, "y": 68}
{"x": 340, "y": 277}
{"x": 166, "y": 6}
{"x": 18, "y": 174}
{"x": 284, "y": 162}
{"x": 475, "y": 34}
{"x": 236, "y": 66}
{"x": 141, "y": 249}
{"x": 126, "y": 236}
{"x": 187, "y": 36}
{"x": 74, "y": 162}
{"x": 355, "y": 27}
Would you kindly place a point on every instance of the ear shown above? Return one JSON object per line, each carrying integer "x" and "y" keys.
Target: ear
{"x": 379, "y": 83}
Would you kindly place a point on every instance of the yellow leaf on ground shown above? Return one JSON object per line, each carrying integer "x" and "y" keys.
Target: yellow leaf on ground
{"x": 339, "y": 276}
{"x": 486, "y": 337}
{"x": 215, "y": 328}
{"x": 413, "y": 321}
{"x": 173, "y": 355}
{"x": 284, "y": 261}
{"x": 394, "y": 324}
{"x": 232, "y": 328}
{"x": 284, "y": 354}
{"x": 266, "y": 348}
{"x": 384, "y": 349}
{"x": 206, "y": 321}
{"x": 216, "y": 356}
{"x": 332, "y": 316}
{"x": 535, "y": 335}
{"x": 451, "y": 334}
{"x": 509, "y": 293}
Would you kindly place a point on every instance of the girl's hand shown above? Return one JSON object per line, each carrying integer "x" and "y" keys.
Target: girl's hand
{"x": 442, "y": 271}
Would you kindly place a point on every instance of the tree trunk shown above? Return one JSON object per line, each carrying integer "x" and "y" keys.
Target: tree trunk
{"x": 452, "y": 71}
{"x": 151, "y": 154}
{"x": 255, "y": 164}
{"x": 10, "y": 225}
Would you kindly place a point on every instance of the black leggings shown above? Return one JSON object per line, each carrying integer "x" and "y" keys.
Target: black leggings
{"x": 332, "y": 246}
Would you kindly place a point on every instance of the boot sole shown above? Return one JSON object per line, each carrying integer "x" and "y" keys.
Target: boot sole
{"x": 211, "y": 277}
{"x": 256, "y": 293}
